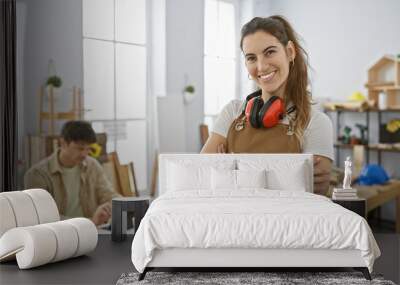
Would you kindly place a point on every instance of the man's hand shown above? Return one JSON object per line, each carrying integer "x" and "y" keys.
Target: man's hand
{"x": 322, "y": 173}
{"x": 102, "y": 214}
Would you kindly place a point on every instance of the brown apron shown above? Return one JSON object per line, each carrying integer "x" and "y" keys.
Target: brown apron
{"x": 243, "y": 138}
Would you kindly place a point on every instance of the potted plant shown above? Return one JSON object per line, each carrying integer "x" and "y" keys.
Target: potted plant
{"x": 53, "y": 81}
{"x": 189, "y": 93}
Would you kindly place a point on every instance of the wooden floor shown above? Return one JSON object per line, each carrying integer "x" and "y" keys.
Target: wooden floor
{"x": 102, "y": 266}
{"x": 389, "y": 262}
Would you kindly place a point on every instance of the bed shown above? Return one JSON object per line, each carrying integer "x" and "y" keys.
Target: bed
{"x": 247, "y": 210}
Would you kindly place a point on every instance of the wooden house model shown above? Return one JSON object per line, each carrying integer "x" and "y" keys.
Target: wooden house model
{"x": 384, "y": 76}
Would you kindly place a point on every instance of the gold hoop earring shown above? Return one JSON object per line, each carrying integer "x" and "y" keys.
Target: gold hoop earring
{"x": 291, "y": 64}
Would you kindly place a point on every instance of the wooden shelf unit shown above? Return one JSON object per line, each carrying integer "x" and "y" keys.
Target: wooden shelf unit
{"x": 75, "y": 113}
{"x": 387, "y": 192}
{"x": 371, "y": 110}
{"x": 375, "y": 83}
{"x": 368, "y": 147}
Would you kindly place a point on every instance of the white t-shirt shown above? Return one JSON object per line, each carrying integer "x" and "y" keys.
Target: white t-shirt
{"x": 317, "y": 139}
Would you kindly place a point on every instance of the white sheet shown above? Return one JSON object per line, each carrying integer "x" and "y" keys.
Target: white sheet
{"x": 251, "y": 218}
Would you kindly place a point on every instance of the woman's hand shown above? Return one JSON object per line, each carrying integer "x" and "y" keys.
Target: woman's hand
{"x": 322, "y": 174}
{"x": 214, "y": 144}
{"x": 221, "y": 148}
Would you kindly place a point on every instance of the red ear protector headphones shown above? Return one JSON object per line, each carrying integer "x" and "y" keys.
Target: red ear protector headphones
{"x": 267, "y": 114}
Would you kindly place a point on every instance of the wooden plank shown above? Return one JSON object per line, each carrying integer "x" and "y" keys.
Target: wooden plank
{"x": 380, "y": 84}
{"x": 358, "y": 159}
{"x": 348, "y": 106}
{"x": 101, "y": 139}
{"x": 132, "y": 180}
{"x": 380, "y": 147}
{"x": 397, "y": 71}
{"x": 40, "y": 93}
{"x": 109, "y": 170}
{"x": 74, "y": 103}
{"x": 123, "y": 174}
{"x": 154, "y": 175}
{"x": 113, "y": 157}
{"x": 80, "y": 105}
{"x": 58, "y": 116}
{"x": 382, "y": 198}
{"x": 52, "y": 112}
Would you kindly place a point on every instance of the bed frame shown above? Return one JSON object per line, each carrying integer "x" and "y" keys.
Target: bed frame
{"x": 240, "y": 259}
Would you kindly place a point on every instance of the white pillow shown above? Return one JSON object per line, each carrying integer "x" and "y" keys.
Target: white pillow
{"x": 251, "y": 178}
{"x": 189, "y": 175}
{"x": 223, "y": 179}
{"x": 281, "y": 174}
{"x": 294, "y": 179}
{"x": 237, "y": 179}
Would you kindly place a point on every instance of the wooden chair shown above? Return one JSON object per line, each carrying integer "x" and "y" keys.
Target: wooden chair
{"x": 121, "y": 176}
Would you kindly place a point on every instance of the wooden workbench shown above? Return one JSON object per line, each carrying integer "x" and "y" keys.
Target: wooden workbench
{"x": 378, "y": 195}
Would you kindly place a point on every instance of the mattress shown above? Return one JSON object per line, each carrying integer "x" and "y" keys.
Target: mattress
{"x": 250, "y": 219}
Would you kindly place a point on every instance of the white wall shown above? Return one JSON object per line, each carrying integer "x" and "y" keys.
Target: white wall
{"x": 53, "y": 30}
{"x": 47, "y": 29}
{"x": 185, "y": 49}
{"x": 343, "y": 39}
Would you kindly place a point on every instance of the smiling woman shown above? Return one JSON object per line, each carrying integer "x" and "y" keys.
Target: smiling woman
{"x": 277, "y": 118}
{"x": 267, "y": 62}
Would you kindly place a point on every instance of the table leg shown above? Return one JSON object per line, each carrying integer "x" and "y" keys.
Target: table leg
{"x": 116, "y": 222}
{"x": 398, "y": 214}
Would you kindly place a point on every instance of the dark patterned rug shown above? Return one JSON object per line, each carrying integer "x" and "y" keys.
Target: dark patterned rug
{"x": 228, "y": 278}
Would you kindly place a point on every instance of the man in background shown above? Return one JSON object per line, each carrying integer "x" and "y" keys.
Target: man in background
{"x": 76, "y": 181}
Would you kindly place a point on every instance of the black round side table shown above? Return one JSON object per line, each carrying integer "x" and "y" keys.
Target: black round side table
{"x": 120, "y": 207}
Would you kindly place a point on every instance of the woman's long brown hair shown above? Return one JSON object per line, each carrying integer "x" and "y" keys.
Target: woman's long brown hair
{"x": 296, "y": 86}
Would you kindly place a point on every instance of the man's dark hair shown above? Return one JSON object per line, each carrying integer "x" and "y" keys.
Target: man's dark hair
{"x": 78, "y": 131}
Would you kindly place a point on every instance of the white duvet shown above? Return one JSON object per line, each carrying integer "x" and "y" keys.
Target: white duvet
{"x": 252, "y": 218}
